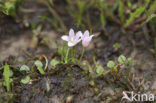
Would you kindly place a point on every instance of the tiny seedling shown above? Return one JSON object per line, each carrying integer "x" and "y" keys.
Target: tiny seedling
{"x": 25, "y": 80}
{"x": 92, "y": 83}
{"x": 122, "y": 59}
{"x": 122, "y": 68}
{"x": 110, "y": 64}
{"x": 24, "y": 68}
{"x": 39, "y": 66}
{"x": 54, "y": 62}
{"x": 116, "y": 46}
{"x": 99, "y": 70}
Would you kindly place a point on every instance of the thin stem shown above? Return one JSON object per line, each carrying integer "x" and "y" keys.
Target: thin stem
{"x": 82, "y": 53}
{"x": 75, "y": 52}
{"x": 66, "y": 58}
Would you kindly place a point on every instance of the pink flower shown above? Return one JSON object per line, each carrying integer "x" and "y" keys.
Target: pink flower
{"x": 72, "y": 39}
{"x": 86, "y": 38}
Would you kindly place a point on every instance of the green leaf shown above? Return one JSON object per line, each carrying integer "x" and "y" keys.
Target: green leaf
{"x": 6, "y": 75}
{"x": 149, "y": 18}
{"x": 122, "y": 59}
{"x": 25, "y": 80}
{"x": 115, "y": 69}
{"x": 54, "y": 62}
{"x": 80, "y": 5}
{"x": 38, "y": 63}
{"x": 110, "y": 64}
{"x": 152, "y": 8}
{"x": 99, "y": 70}
{"x": 102, "y": 18}
{"x": 130, "y": 60}
{"x": 39, "y": 66}
{"x": 24, "y": 68}
{"x": 121, "y": 11}
{"x": 134, "y": 15}
{"x": 116, "y": 45}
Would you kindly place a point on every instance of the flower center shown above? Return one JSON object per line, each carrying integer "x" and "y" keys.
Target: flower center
{"x": 72, "y": 39}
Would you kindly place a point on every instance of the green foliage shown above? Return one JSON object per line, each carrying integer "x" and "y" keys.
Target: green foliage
{"x": 115, "y": 68}
{"x": 133, "y": 15}
{"x": 56, "y": 20}
{"x": 7, "y": 74}
{"x": 152, "y": 8}
{"x": 121, "y": 11}
{"x": 101, "y": 5}
{"x": 102, "y": 18}
{"x": 24, "y": 68}
{"x": 110, "y": 64}
{"x": 130, "y": 60}
{"x": 99, "y": 70}
{"x": 77, "y": 13}
{"x": 80, "y": 5}
{"x": 39, "y": 66}
{"x": 95, "y": 14}
{"x": 142, "y": 10}
{"x": 25, "y": 80}
{"x": 116, "y": 46}
{"x": 54, "y": 62}
{"x": 149, "y": 18}
{"x": 36, "y": 29}
{"x": 122, "y": 62}
{"x": 122, "y": 59}
{"x": 9, "y": 7}
{"x": 64, "y": 52}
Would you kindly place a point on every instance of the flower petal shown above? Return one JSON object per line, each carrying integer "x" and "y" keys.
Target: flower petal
{"x": 70, "y": 44}
{"x": 85, "y": 42}
{"x": 71, "y": 33}
{"x": 78, "y": 35}
{"x": 90, "y": 38}
{"x": 64, "y": 37}
{"x": 86, "y": 33}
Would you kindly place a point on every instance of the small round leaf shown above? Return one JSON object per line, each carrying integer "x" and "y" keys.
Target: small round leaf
{"x": 122, "y": 59}
{"x": 110, "y": 64}
{"x": 38, "y": 63}
{"x": 99, "y": 70}
{"x": 24, "y": 68}
{"x": 54, "y": 62}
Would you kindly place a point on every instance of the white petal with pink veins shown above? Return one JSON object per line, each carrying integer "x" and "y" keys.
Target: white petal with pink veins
{"x": 86, "y": 33}
{"x": 64, "y": 37}
{"x": 78, "y": 35}
{"x": 71, "y": 33}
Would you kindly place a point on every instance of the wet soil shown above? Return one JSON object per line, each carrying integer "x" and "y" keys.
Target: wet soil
{"x": 71, "y": 80}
